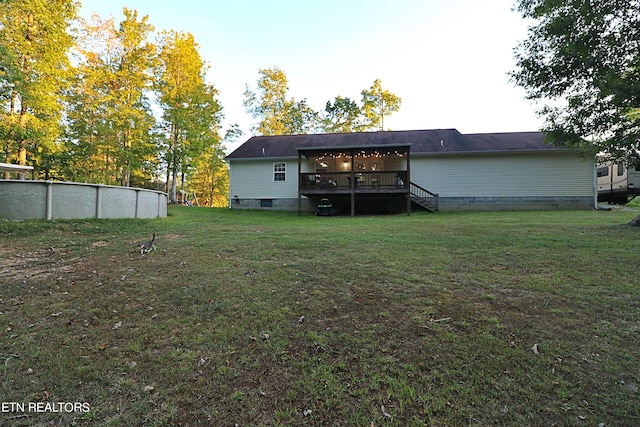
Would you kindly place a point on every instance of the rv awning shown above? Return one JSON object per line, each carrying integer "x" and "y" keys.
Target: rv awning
{"x": 7, "y": 167}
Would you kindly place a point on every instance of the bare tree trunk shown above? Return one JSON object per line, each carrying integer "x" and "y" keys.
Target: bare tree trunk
{"x": 166, "y": 184}
{"x": 11, "y": 139}
{"x": 174, "y": 198}
{"x": 174, "y": 184}
{"x": 213, "y": 186}
{"x": 7, "y": 153}
{"x": 174, "y": 167}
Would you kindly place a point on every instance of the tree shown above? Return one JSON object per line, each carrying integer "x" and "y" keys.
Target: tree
{"x": 301, "y": 119}
{"x": 277, "y": 114}
{"x": 584, "y": 57}
{"x": 210, "y": 177}
{"x": 378, "y": 103}
{"x": 90, "y": 152}
{"x": 344, "y": 115}
{"x": 34, "y": 41}
{"x": 109, "y": 114}
{"x": 133, "y": 84}
{"x": 191, "y": 112}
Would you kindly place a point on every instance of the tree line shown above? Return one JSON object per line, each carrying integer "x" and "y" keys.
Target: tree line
{"x": 101, "y": 101}
{"x": 98, "y": 101}
{"x": 278, "y": 114}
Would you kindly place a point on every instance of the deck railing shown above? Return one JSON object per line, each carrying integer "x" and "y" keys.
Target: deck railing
{"x": 342, "y": 180}
{"x": 425, "y": 198}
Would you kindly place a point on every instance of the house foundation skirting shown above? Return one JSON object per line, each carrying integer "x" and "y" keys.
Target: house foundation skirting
{"x": 446, "y": 204}
{"x": 457, "y": 204}
{"x": 287, "y": 204}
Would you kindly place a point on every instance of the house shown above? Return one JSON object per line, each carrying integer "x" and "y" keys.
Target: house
{"x": 400, "y": 171}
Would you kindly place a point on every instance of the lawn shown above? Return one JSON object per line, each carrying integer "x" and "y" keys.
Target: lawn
{"x": 266, "y": 318}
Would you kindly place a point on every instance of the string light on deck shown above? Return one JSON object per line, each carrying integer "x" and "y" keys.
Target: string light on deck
{"x": 361, "y": 154}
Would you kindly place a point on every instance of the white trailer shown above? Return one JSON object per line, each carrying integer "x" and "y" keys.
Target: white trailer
{"x": 617, "y": 183}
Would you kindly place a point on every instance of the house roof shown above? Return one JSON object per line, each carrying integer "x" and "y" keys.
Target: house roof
{"x": 437, "y": 141}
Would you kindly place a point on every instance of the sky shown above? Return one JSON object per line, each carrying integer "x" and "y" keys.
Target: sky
{"x": 447, "y": 59}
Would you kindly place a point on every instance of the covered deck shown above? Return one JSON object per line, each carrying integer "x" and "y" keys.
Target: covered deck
{"x": 355, "y": 173}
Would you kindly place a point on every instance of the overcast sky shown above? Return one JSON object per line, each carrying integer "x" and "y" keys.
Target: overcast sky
{"x": 447, "y": 59}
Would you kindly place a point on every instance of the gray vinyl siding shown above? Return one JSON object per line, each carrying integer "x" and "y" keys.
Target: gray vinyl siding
{"x": 551, "y": 174}
{"x": 253, "y": 179}
{"x": 496, "y": 175}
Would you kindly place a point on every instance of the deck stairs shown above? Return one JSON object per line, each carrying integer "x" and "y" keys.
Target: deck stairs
{"x": 423, "y": 197}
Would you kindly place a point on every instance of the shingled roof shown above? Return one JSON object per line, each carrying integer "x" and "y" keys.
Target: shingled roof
{"x": 437, "y": 141}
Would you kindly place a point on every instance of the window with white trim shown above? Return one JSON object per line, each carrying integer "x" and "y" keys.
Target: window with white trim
{"x": 280, "y": 172}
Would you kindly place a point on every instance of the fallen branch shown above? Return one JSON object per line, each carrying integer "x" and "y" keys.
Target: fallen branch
{"x": 15, "y": 417}
{"x": 9, "y": 356}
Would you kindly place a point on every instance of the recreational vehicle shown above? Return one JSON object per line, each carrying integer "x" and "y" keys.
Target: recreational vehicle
{"x": 618, "y": 184}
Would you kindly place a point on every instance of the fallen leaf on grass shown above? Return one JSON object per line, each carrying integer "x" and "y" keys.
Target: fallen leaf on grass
{"x": 535, "y": 348}
{"x": 117, "y": 326}
{"x": 149, "y": 388}
{"x": 42, "y": 395}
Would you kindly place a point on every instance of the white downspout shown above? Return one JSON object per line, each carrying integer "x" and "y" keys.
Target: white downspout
{"x": 595, "y": 185}
{"x": 230, "y": 185}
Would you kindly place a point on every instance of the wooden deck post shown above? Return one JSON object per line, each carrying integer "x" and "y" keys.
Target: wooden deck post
{"x": 353, "y": 185}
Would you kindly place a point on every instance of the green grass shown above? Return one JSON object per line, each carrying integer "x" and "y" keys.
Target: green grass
{"x": 432, "y": 316}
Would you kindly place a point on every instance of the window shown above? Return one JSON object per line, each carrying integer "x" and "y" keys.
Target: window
{"x": 620, "y": 169}
{"x": 280, "y": 172}
{"x": 266, "y": 203}
{"x": 603, "y": 171}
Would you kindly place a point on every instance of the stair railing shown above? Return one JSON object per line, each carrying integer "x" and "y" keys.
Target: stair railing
{"x": 424, "y": 197}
